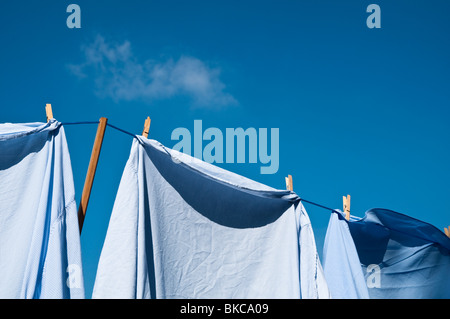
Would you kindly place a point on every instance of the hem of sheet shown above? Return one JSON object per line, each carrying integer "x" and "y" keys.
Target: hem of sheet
{"x": 28, "y": 129}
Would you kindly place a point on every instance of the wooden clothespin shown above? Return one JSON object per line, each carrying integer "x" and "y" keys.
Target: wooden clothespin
{"x": 346, "y": 202}
{"x": 447, "y": 231}
{"x": 289, "y": 184}
{"x": 48, "y": 110}
{"x": 146, "y": 127}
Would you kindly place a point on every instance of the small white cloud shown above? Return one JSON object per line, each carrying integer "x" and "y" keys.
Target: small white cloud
{"x": 117, "y": 74}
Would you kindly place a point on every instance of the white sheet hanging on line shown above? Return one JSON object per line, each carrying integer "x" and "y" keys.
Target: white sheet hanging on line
{"x": 40, "y": 254}
{"x": 183, "y": 228}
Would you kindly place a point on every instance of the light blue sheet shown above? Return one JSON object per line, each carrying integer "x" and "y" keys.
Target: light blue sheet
{"x": 341, "y": 264}
{"x": 400, "y": 257}
{"x": 40, "y": 254}
{"x": 183, "y": 228}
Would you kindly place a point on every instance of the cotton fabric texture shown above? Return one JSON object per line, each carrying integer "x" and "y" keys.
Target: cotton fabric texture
{"x": 341, "y": 264}
{"x": 40, "y": 254}
{"x": 400, "y": 257}
{"x": 183, "y": 228}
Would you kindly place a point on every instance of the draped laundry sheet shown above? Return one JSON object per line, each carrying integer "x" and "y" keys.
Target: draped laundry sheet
{"x": 40, "y": 255}
{"x": 183, "y": 228}
{"x": 386, "y": 255}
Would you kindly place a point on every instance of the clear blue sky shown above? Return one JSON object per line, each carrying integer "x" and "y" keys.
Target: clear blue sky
{"x": 361, "y": 111}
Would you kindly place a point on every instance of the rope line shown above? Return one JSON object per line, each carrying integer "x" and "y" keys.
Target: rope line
{"x": 120, "y": 130}
{"x": 319, "y": 205}
{"x": 96, "y": 122}
{"x": 76, "y": 123}
{"x": 135, "y": 136}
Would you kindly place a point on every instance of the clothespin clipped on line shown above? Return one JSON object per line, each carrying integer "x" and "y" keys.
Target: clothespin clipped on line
{"x": 146, "y": 127}
{"x": 447, "y": 231}
{"x": 346, "y": 202}
{"x": 48, "y": 110}
{"x": 289, "y": 184}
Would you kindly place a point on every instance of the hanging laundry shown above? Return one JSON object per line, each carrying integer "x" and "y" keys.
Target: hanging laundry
{"x": 341, "y": 265}
{"x": 40, "y": 254}
{"x": 399, "y": 256}
{"x": 183, "y": 228}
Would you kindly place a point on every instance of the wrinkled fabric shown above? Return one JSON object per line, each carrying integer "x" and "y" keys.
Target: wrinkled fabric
{"x": 400, "y": 257}
{"x": 40, "y": 254}
{"x": 341, "y": 264}
{"x": 183, "y": 228}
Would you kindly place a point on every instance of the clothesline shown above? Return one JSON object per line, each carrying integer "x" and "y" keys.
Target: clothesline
{"x": 96, "y": 122}
{"x": 318, "y": 205}
{"x": 385, "y": 255}
{"x": 134, "y": 136}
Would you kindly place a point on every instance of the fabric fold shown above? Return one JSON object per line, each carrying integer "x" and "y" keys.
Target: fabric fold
{"x": 183, "y": 228}
{"x": 400, "y": 257}
{"x": 40, "y": 253}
